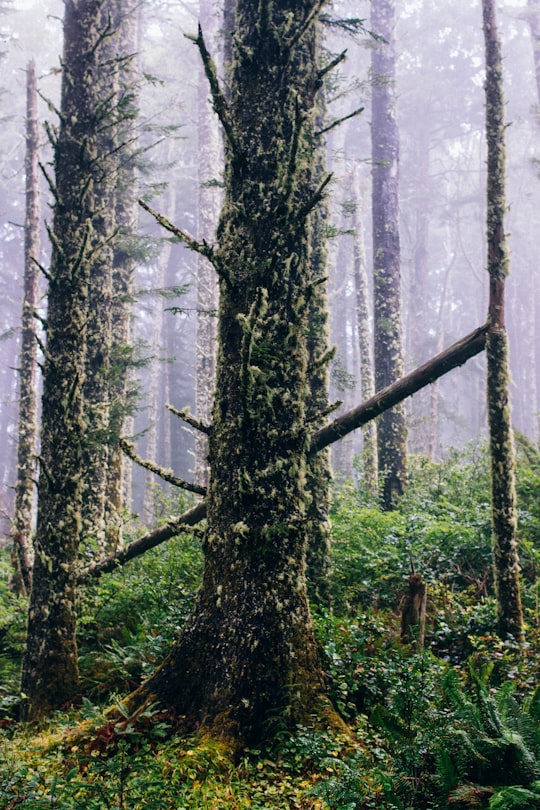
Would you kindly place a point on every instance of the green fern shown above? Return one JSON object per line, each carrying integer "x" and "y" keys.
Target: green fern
{"x": 493, "y": 740}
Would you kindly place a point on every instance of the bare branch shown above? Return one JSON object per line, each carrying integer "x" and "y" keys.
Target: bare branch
{"x": 165, "y": 475}
{"x": 190, "y": 420}
{"x": 199, "y": 247}
{"x": 338, "y": 121}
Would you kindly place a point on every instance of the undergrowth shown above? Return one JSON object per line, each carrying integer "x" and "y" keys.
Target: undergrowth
{"x": 455, "y": 725}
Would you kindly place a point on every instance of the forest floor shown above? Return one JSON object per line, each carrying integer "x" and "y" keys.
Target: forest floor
{"x": 453, "y": 725}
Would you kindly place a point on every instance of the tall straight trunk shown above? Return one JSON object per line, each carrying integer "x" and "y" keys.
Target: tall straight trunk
{"x": 252, "y": 601}
{"x": 319, "y": 473}
{"x": 50, "y": 671}
{"x": 27, "y": 433}
{"x": 156, "y": 365}
{"x": 209, "y": 162}
{"x": 503, "y": 492}
{"x": 100, "y": 292}
{"x": 391, "y": 429}
{"x": 126, "y": 14}
{"x": 370, "y": 467}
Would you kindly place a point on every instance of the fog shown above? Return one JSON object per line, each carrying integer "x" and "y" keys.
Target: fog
{"x": 442, "y": 180}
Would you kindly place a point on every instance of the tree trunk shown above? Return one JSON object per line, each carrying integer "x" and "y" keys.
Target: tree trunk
{"x": 27, "y": 433}
{"x": 391, "y": 430}
{"x": 503, "y": 492}
{"x": 209, "y": 162}
{"x": 370, "y": 467}
{"x": 127, "y": 20}
{"x": 100, "y": 293}
{"x": 252, "y": 602}
{"x": 50, "y": 671}
{"x": 319, "y": 473}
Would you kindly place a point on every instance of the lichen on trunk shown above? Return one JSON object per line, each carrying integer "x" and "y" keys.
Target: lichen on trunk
{"x": 503, "y": 492}
{"x": 50, "y": 670}
{"x": 248, "y": 653}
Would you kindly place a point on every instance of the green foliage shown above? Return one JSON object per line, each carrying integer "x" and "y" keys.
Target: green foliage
{"x": 129, "y": 618}
{"x": 12, "y": 634}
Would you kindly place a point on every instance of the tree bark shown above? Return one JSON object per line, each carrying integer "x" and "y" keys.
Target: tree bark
{"x": 503, "y": 492}
{"x": 252, "y": 602}
{"x": 127, "y": 20}
{"x": 27, "y": 433}
{"x": 391, "y": 429}
{"x": 370, "y": 466}
{"x": 50, "y": 671}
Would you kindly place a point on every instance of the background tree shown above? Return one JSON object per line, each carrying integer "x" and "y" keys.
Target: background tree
{"x": 391, "y": 430}
{"x": 503, "y": 492}
{"x": 50, "y": 670}
{"x": 27, "y": 433}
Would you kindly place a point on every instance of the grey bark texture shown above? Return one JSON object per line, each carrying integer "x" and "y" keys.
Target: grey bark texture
{"x": 391, "y": 429}
{"x": 27, "y": 433}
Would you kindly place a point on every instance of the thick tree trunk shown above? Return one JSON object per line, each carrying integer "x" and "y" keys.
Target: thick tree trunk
{"x": 391, "y": 430}
{"x": 100, "y": 292}
{"x": 252, "y": 603}
{"x": 27, "y": 433}
{"x": 503, "y": 493}
{"x": 50, "y": 671}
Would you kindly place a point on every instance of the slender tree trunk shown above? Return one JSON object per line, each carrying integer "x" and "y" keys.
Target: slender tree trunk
{"x": 391, "y": 429}
{"x": 50, "y": 671}
{"x": 27, "y": 433}
{"x": 209, "y": 162}
{"x": 503, "y": 493}
{"x": 319, "y": 473}
{"x": 100, "y": 293}
{"x": 127, "y": 19}
{"x": 252, "y": 602}
{"x": 370, "y": 467}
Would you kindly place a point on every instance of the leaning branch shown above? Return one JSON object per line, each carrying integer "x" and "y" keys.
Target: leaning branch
{"x": 183, "y": 523}
{"x": 450, "y": 358}
{"x": 218, "y": 96}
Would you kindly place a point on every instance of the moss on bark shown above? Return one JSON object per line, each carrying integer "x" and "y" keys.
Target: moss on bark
{"x": 247, "y": 654}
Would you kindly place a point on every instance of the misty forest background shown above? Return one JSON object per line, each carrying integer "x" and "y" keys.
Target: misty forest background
{"x": 426, "y": 725}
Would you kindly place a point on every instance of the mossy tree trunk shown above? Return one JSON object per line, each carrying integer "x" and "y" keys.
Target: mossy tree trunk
{"x": 50, "y": 671}
{"x": 391, "y": 429}
{"x": 27, "y": 432}
{"x": 503, "y": 493}
{"x": 247, "y": 652}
